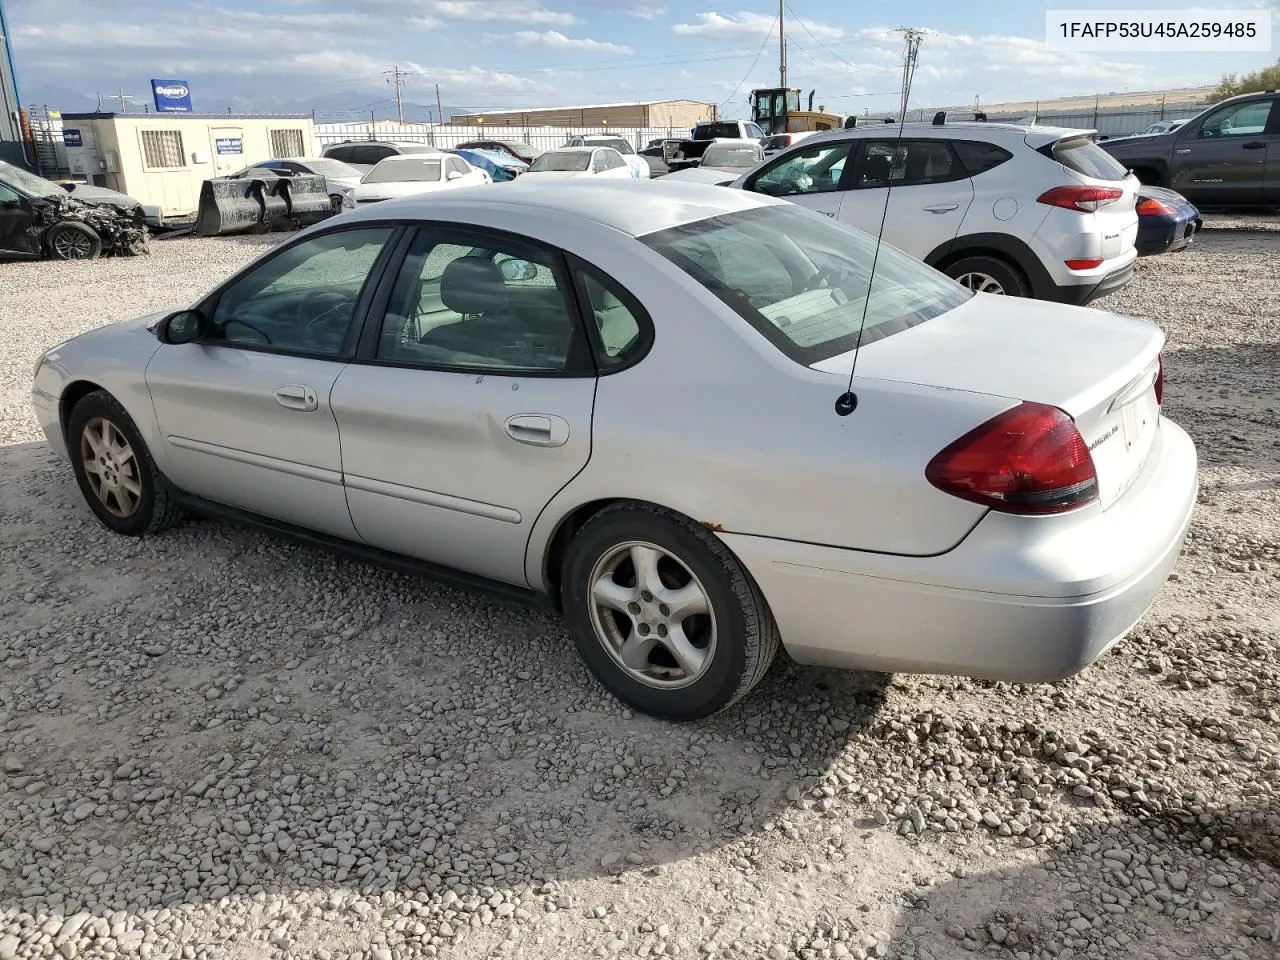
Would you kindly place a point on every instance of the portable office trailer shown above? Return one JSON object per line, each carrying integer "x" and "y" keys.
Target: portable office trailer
{"x": 162, "y": 159}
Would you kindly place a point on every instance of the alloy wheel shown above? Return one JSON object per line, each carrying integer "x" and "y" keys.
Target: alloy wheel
{"x": 111, "y": 467}
{"x": 72, "y": 245}
{"x": 652, "y": 615}
{"x": 981, "y": 283}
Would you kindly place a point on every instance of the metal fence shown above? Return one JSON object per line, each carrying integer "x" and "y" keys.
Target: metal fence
{"x": 448, "y": 135}
{"x": 1109, "y": 122}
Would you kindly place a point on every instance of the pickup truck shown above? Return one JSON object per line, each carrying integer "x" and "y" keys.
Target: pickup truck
{"x": 689, "y": 152}
{"x": 1229, "y": 155}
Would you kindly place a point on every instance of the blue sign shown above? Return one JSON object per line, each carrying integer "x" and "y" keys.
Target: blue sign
{"x": 228, "y": 145}
{"x": 72, "y": 138}
{"x": 171, "y": 96}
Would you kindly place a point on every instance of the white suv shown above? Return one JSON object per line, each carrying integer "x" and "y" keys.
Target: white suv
{"x": 1021, "y": 210}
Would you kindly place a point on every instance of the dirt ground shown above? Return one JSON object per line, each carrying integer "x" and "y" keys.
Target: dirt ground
{"x": 217, "y": 745}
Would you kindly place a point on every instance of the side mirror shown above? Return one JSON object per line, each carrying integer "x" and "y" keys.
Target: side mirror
{"x": 185, "y": 326}
{"x": 517, "y": 270}
{"x": 452, "y": 175}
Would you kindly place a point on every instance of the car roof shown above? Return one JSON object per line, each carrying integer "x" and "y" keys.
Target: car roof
{"x": 633, "y": 207}
{"x": 576, "y": 149}
{"x": 404, "y": 157}
{"x": 1035, "y": 134}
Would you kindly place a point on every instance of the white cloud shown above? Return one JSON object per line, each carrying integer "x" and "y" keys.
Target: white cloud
{"x": 753, "y": 25}
{"x": 485, "y": 11}
{"x": 556, "y": 40}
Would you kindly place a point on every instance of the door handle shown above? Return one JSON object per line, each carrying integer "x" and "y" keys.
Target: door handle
{"x": 1255, "y": 145}
{"x": 538, "y": 429}
{"x": 295, "y": 396}
{"x": 1182, "y": 150}
{"x": 942, "y": 207}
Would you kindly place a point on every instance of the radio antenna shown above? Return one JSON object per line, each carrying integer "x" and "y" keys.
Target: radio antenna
{"x": 847, "y": 402}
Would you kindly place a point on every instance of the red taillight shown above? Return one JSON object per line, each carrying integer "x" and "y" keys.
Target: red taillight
{"x": 1160, "y": 380}
{"x": 1088, "y": 264}
{"x": 1083, "y": 199}
{"x": 1029, "y": 460}
{"x": 1155, "y": 208}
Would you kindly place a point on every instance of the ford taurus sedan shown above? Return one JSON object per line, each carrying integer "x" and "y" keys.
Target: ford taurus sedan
{"x": 632, "y": 400}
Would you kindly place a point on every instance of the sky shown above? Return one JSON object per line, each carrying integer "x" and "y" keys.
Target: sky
{"x": 508, "y": 54}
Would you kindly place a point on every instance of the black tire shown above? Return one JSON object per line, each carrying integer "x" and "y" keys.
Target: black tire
{"x": 746, "y": 634}
{"x": 157, "y": 506}
{"x": 1010, "y": 279}
{"x": 73, "y": 241}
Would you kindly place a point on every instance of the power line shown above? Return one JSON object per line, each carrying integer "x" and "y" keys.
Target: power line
{"x": 759, "y": 54}
{"x": 805, "y": 27}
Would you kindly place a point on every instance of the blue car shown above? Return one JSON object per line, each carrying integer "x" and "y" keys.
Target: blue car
{"x": 1167, "y": 221}
{"x": 502, "y": 167}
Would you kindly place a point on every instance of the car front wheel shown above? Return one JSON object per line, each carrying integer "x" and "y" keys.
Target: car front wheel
{"x": 121, "y": 483}
{"x": 663, "y": 614}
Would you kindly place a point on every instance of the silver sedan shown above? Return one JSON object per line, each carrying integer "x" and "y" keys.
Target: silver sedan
{"x": 639, "y": 403}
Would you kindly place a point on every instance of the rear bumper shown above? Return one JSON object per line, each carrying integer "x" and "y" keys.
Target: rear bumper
{"x": 1167, "y": 236}
{"x": 1079, "y": 295}
{"x": 1020, "y": 599}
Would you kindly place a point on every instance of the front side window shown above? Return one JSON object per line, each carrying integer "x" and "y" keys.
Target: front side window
{"x": 802, "y": 280}
{"x": 906, "y": 163}
{"x": 304, "y": 299}
{"x": 816, "y": 169}
{"x": 1240, "y": 120}
{"x": 7, "y": 196}
{"x": 502, "y": 306}
{"x": 458, "y": 166}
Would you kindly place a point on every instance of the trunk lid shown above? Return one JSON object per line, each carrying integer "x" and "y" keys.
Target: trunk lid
{"x": 1098, "y": 367}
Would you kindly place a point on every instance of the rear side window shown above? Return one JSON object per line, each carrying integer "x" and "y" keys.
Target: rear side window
{"x": 710, "y": 131}
{"x": 979, "y": 157}
{"x": 1087, "y": 158}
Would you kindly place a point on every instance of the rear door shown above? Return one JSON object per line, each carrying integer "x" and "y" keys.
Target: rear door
{"x": 810, "y": 176}
{"x": 931, "y": 193}
{"x": 469, "y": 406}
{"x": 16, "y": 220}
{"x": 1223, "y": 158}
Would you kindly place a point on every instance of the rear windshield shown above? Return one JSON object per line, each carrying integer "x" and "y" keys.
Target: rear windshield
{"x": 561, "y": 162}
{"x": 404, "y": 171}
{"x": 802, "y": 280}
{"x": 731, "y": 156}
{"x": 1087, "y": 158}
{"x": 711, "y": 131}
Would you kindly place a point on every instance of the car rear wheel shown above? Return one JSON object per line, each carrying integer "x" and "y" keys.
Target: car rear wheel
{"x": 989, "y": 275}
{"x": 663, "y": 614}
{"x": 73, "y": 241}
{"x": 121, "y": 483}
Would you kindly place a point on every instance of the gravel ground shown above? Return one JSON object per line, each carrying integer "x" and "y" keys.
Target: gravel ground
{"x": 216, "y": 745}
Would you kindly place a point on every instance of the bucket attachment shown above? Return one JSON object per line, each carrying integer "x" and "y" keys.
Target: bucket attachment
{"x": 229, "y": 206}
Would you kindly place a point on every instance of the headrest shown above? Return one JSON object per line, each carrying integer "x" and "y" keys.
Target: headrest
{"x": 876, "y": 168}
{"x": 471, "y": 285}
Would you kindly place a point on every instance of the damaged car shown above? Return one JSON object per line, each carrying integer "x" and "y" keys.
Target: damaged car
{"x": 39, "y": 219}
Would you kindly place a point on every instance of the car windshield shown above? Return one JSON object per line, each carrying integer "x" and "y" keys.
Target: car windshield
{"x": 802, "y": 280}
{"x": 730, "y": 156}
{"x": 622, "y": 146}
{"x": 332, "y": 169}
{"x": 404, "y": 171}
{"x": 556, "y": 161}
{"x": 28, "y": 183}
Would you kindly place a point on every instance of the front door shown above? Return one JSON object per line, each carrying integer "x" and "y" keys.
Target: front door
{"x": 228, "y": 149}
{"x": 16, "y": 220}
{"x": 810, "y": 176}
{"x": 245, "y": 413}
{"x": 470, "y": 406}
{"x": 1223, "y": 159}
{"x": 931, "y": 193}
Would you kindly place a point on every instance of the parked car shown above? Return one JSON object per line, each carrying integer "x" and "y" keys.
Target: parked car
{"x": 94, "y": 195}
{"x": 402, "y": 176}
{"x": 689, "y": 152}
{"x": 340, "y": 178}
{"x": 501, "y": 167}
{"x": 639, "y": 166}
{"x": 1165, "y": 126}
{"x": 780, "y": 141}
{"x": 1005, "y": 501}
{"x": 1004, "y": 208}
{"x": 365, "y": 154}
{"x": 1167, "y": 221}
{"x": 39, "y": 218}
{"x": 566, "y": 162}
{"x": 723, "y": 162}
{"x": 656, "y": 153}
{"x": 1226, "y": 156}
{"x": 525, "y": 152}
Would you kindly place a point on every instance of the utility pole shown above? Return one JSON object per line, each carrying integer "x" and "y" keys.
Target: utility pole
{"x": 120, "y": 94}
{"x": 439, "y": 106}
{"x": 782, "y": 46}
{"x": 397, "y": 80}
{"x": 910, "y": 57}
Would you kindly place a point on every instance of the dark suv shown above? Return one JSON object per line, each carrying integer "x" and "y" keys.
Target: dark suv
{"x": 364, "y": 155}
{"x": 1229, "y": 155}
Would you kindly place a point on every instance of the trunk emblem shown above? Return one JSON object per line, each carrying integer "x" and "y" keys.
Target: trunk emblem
{"x": 1104, "y": 438}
